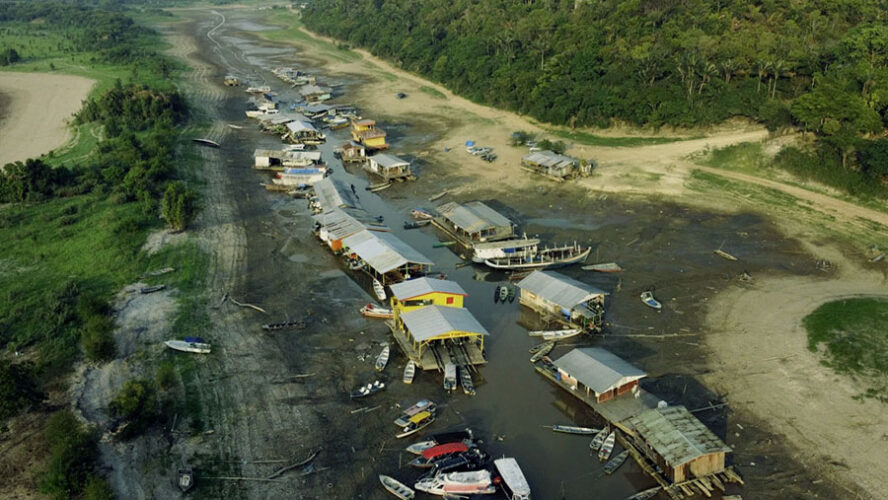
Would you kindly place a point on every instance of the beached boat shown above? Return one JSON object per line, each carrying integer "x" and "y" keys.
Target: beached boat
{"x": 427, "y": 458}
{"x": 503, "y": 293}
{"x": 545, "y": 348}
{"x": 517, "y": 484}
{"x": 185, "y": 480}
{"x": 396, "y": 488}
{"x": 409, "y": 372}
{"x": 185, "y": 346}
{"x": 607, "y": 447}
{"x": 543, "y": 259}
{"x": 293, "y": 323}
{"x": 420, "y": 406}
{"x": 512, "y": 294}
{"x": 616, "y": 462}
{"x": 416, "y": 423}
{"x": 556, "y": 334}
{"x": 476, "y": 482}
{"x": 598, "y": 440}
{"x": 606, "y": 267}
{"x": 465, "y": 379}
{"x": 383, "y": 358}
{"x": 648, "y": 298}
{"x": 151, "y": 289}
{"x": 367, "y": 390}
{"x": 441, "y": 438}
{"x": 379, "y": 187}
{"x": 258, "y": 90}
{"x": 449, "y": 376}
{"x": 371, "y": 311}
{"x": 438, "y": 196}
{"x": 419, "y": 213}
{"x": 416, "y": 224}
{"x": 572, "y": 429}
{"x": 644, "y": 495}
{"x": 418, "y": 447}
{"x": 725, "y": 255}
{"x": 496, "y": 294}
{"x": 378, "y": 289}
{"x": 504, "y": 248}
{"x": 537, "y": 348}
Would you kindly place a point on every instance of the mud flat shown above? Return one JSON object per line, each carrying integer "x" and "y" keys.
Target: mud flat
{"x": 34, "y": 110}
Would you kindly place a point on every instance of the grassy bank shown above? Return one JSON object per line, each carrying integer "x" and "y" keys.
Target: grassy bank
{"x": 289, "y": 30}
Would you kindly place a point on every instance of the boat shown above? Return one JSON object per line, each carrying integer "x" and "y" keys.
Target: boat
{"x": 503, "y": 293}
{"x": 725, "y": 255}
{"x": 545, "y": 348}
{"x": 512, "y": 294}
{"x": 298, "y": 177}
{"x": 572, "y": 429}
{"x": 421, "y": 405}
{"x": 616, "y": 462}
{"x": 378, "y": 289}
{"x": 644, "y": 495}
{"x": 185, "y": 346}
{"x": 465, "y": 436}
{"x": 396, "y": 488}
{"x": 465, "y": 379}
{"x": 416, "y": 224}
{"x": 556, "y": 334}
{"x": 542, "y": 259}
{"x": 185, "y": 480}
{"x": 206, "y": 142}
{"x": 607, "y": 447}
{"x": 598, "y": 440}
{"x": 438, "y": 196}
{"x": 496, "y": 294}
{"x": 504, "y": 248}
{"x": 648, "y": 298}
{"x": 443, "y": 244}
{"x": 427, "y": 458}
{"x": 535, "y": 349}
{"x": 258, "y": 90}
{"x": 473, "y": 459}
{"x": 513, "y": 477}
{"x": 368, "y": 390}
{"x": 418, "y": 447}
{"x": 371, "y": 311}
{"x": 606, "y": 267}
{"x": 416, "y": 423}
{"x": 379, "y": 187}
{"x": 409, "y": 372}
{"x": 419, "y": 213}
{"x": 458, "y": 483}
{"x": 449, "y": 376}
{"x": 383, "y": 358}
{"x": 151, "y": 289}
{"x": 293, "y": 323}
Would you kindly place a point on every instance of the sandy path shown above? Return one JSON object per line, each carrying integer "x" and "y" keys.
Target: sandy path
{"x": 38, "y": 109}
{"x": 758, "y": 356}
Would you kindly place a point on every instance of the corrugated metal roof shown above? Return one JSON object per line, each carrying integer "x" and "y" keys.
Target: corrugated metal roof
{"x": 388, "y": 161}
{"x": 676, "y": 435}
{"x": 300, "y": 126}
{"x": 288, "y": 155}
{"x": 430, "y": 321}
{"x": 383, "y": 252}
{"x": 343, "y": 222}
{"x": 598, "y": 369}
{"x": 550, "y": 159}
{"x": 473, "y": 216}
{"x": 314, "y": 89}
{"x": 558, "y": 288}
{"x": 334, "y": 194}
{"x": 421, "y": 286}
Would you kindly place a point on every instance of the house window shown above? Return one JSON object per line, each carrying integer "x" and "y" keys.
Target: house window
{"x": 449, "y": 300}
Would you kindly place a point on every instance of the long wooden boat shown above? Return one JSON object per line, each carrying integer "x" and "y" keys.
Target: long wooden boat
{"x": 371, "y": 311}
{"x": 572, "y": 429}
{"x": 598, "y": 440}
{"x": 644, "y": 495}
{"x": 512, "y": 294}
{"x": 556, "y": 334}
{"x": 607, "y": 447}
{"x": 378, "y": 289}
{"x": 545, "y": 349}
{"x": 438, "y": 196}
{"x": 416, "y": 224}
{"x": 725, "y": 255}
{"x": 368, "y": 390}
{"x": 537, "y": 348}
{"x": 616, "y": 462}
{"x": 513, "y": 477}
{"x": 379, "y": 187}
{"x": 648, "y": 298}
{"x": 383, "y": 358}
{"x": 606, "y": 267}
{"x": 206, "y": 142}
{"x": 504, "y": 248}
{"x": 416, "y": 423}
{"x": 409, "y": 372}
{"x": 543, "y": 259}
{"x": 476, "y": 482}
{"x": 421, "y": 214}
{"x": 185, "y": 346}
{"x": 420, "y": 406}
{"x": 396, "y": 488}
{"x": 465, "y": 379}
{"x": 151, "y": 289}
{"x": 293, "y": 323}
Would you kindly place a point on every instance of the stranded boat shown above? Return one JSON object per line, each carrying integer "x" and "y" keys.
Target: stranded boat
{"x": 429, "y": 456}
{"x": 514, "y": 478}
{"x": 420, "y": 406}
{"x": 371, "y": 311}
{"x": 189, "y": 346}
{"x": 607, "y": 267}
{"x": 396, "y": 488}
{"x": 449, "y": 376}
{"x": 419, "y": 213}
{"x": 383, "y": 358}
{"x": 545, "y": 348}
{"x": 543, "y": 259}
{"x": 367, "y": 390}
{"x": 607, "y": 447}
{"x": 465, "y": 379}
{"x": 616, "y": 462}
{"x": 598, "y": 440}
{"x": 556, "y": 334}
{"x": 441, "y": 438}
{"x": 458, "y": 483}
{"x": 571, "y": 429}
{"x": 503, "y": 249}
{"x": 648, "y": 298}
{"x": 416, "y": 423}
{"x": 409, "y": 372}
{"x": 503, "y": 293}
{"x": 378, "y": 289}
{"x": 416, "y": 224}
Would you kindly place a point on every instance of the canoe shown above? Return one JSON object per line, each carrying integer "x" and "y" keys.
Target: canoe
{"x": 438, "y": 196}
{"x": 378, "y": 289}
{"x": 572, "y": 429}
{"x": 371, "y": 311}
{"x": 606, "y": 267}
{"x": 416, "y": 224}
{"x": 607, "y": 447}
{"x": 421, "y": 405}
{"x": 417, "y": 422}
{"x": 409, "y": 372}
{"x": 513, "y": 477}
{"x": 511, "y": 294}
{"x": 555, "y": 334}
{"x": 503, "y": 293}
{"x": 383, "y": 358}
{"x": 649, "y": 300}
{"x": 644, "y": 495}
{"x": 496, "y": 294}
{"x": 367, "y": 390}
{"x": 449, "y": 376}
{"x": 380, "y": 187}
{"x": 419, "y": 213}
{"x": 151, "y": 289}
{"x": 725, "y": 255}
{"x": 465, "y": 379}
{"x": 465, "y": 436}
{"x": 598, "y": 440}
{"x": 537, "y": 348}
{"x": 546, "y": 349}
{"x": 616, "y": 462}
{"x": 396, "y": 488}
{"x": 185, "y": 346}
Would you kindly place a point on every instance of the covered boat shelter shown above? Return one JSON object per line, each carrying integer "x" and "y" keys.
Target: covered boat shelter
{"x": 473, "y": 222}
{"x": 335, "y": 225}
{"x": 566, "y": 300}
{"x": 333, "y": 193}
{"x": 384, "y": 256}
{"x": 431, "y": 334}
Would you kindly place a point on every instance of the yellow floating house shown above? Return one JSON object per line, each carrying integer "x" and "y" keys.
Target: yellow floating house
{"x": 413, "y": 294}
{"x": 431, "y": 335}
{"x": 366, "y": 133}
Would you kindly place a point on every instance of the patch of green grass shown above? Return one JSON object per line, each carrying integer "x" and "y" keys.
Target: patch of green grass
{"x": 613, "y": 142}
{"x": 432, "y": 92}
{"x": 386, "y": 76}
{"x": 290, "y": 24}
{"x": 747, "y": 157}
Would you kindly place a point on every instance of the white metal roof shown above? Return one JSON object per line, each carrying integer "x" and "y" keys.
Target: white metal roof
{"x": 343, "y": 222}
{"x": 550, "y": 159}
{"x": 288, "y": 155}
{"x": 473, "y": 216}
{"x": 598, "y": 369}
{"x": 300, "y": 126}
{"x": 421, "y": 286}
{"x": 314, "y": 89}
{"x": 676, "y": 435}
{"x": 558, "y": 288}
{"x": 388, "y": 161}
{"x": 431, "y": 321}
{"x": 383, "y": 252}
{"x": 334, "y": 194}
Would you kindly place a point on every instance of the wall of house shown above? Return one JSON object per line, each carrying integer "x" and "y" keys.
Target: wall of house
{"x": 623, "y": 389}
{"x": 707, "y": 464}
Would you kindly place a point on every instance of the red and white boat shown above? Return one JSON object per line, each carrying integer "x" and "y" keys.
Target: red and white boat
{"x": 476, "y": 482}
{"x": 428, "y": 457}
{"x": 372, "y": 311}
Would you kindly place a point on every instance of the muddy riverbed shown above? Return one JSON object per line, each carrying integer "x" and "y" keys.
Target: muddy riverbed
{"x": 662, "y": 246}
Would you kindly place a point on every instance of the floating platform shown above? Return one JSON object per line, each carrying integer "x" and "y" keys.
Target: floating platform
{"x": 430, "y": 358}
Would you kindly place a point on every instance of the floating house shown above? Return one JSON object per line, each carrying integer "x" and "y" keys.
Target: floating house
{"x": 420, "y": 292}
{"x": 565, "y": 300}
{"x": 433, "y": 335}
{"x": 315, "y": 111}
{"x": 389, "y": 167}
{"x": 300, "y": 132}
{"x": 352, "y": 152}
{"x": 278, "y": 160}
{"x": 277, "y": 123}
{"x": 300, "y": 177}
{"x": 473, "y": 222}
{"x": 384, "y": 256}
{"x": 598, "y": 373}
{"x": 555, "y": 165}
{"x": 678, "y": 443}
{"x": 332, "y": 193}
{"x": 315, "y": 93}
{"x": 334, "y": 226}
{"x": 367, "y": 133}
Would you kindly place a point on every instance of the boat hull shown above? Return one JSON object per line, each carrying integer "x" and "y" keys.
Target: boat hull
{"x": 535, "y": 264}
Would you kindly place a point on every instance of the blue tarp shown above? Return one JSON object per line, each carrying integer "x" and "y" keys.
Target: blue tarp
{"x": 470, "y": 143}
{"x": 198, "y": 340}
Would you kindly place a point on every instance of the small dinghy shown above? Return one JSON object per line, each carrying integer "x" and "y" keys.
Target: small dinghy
{"x": 421, "y": 214}
{"x": 151, "y": 289}
{"x": 555, "y": 334}
{"x": 616, "y": 462}
{"x": 607, "y": 447}
{"x": 572, "y": 429}
{"x": 648, "y": 298}
{"x": 607, "y": 267}
{"x": 416, "y": 423}
{"x": 371, "y": 311}
{"x": 503, "y": 293}
{"x": 465, "y": 379}
{"x": 420, "y": 406}
{"x": 598, "y": 440}
{"x": 378, "y": 289}
{"x": 187, "y": 346}
{"x": 545, "y": 349}
{"x": 409, "y": 372}
{"x": 396, "y": 488}
{"x": 449, "y": 377}
{"x": 383, "y": 358}
{"x": 369, "y": 389}
{"x": 644, "y": 495}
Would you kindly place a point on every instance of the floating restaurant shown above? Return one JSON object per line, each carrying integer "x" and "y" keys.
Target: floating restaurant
{"x": 564, "y": 300}
{"x": 473, "y": 222}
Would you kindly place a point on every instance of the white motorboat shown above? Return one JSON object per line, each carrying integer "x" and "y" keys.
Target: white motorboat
{"x": 185, "y": 346}
{"x": 514, "y": 478}
{"x": 378, "y": 289}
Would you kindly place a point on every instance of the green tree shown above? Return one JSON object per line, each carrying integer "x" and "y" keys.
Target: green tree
{"x": 136, "y": 404}
{"x": 178, "y": 205}
{"x": 97, "y": 489}
{"x": 72, "y": 456}
{"x": 97, "y": 338}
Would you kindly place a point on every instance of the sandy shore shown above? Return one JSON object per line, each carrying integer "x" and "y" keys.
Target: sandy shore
{"x": 37, "y": 109}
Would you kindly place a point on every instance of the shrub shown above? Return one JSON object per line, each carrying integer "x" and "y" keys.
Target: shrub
{"x": 178, "y": 205}
{"x": 165, "y": 375}
{"x": 97, "y": 339}
{"x": 18, "y": 388}
{"x": 136, "y": 404}
{"x": 72, "y": 455}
